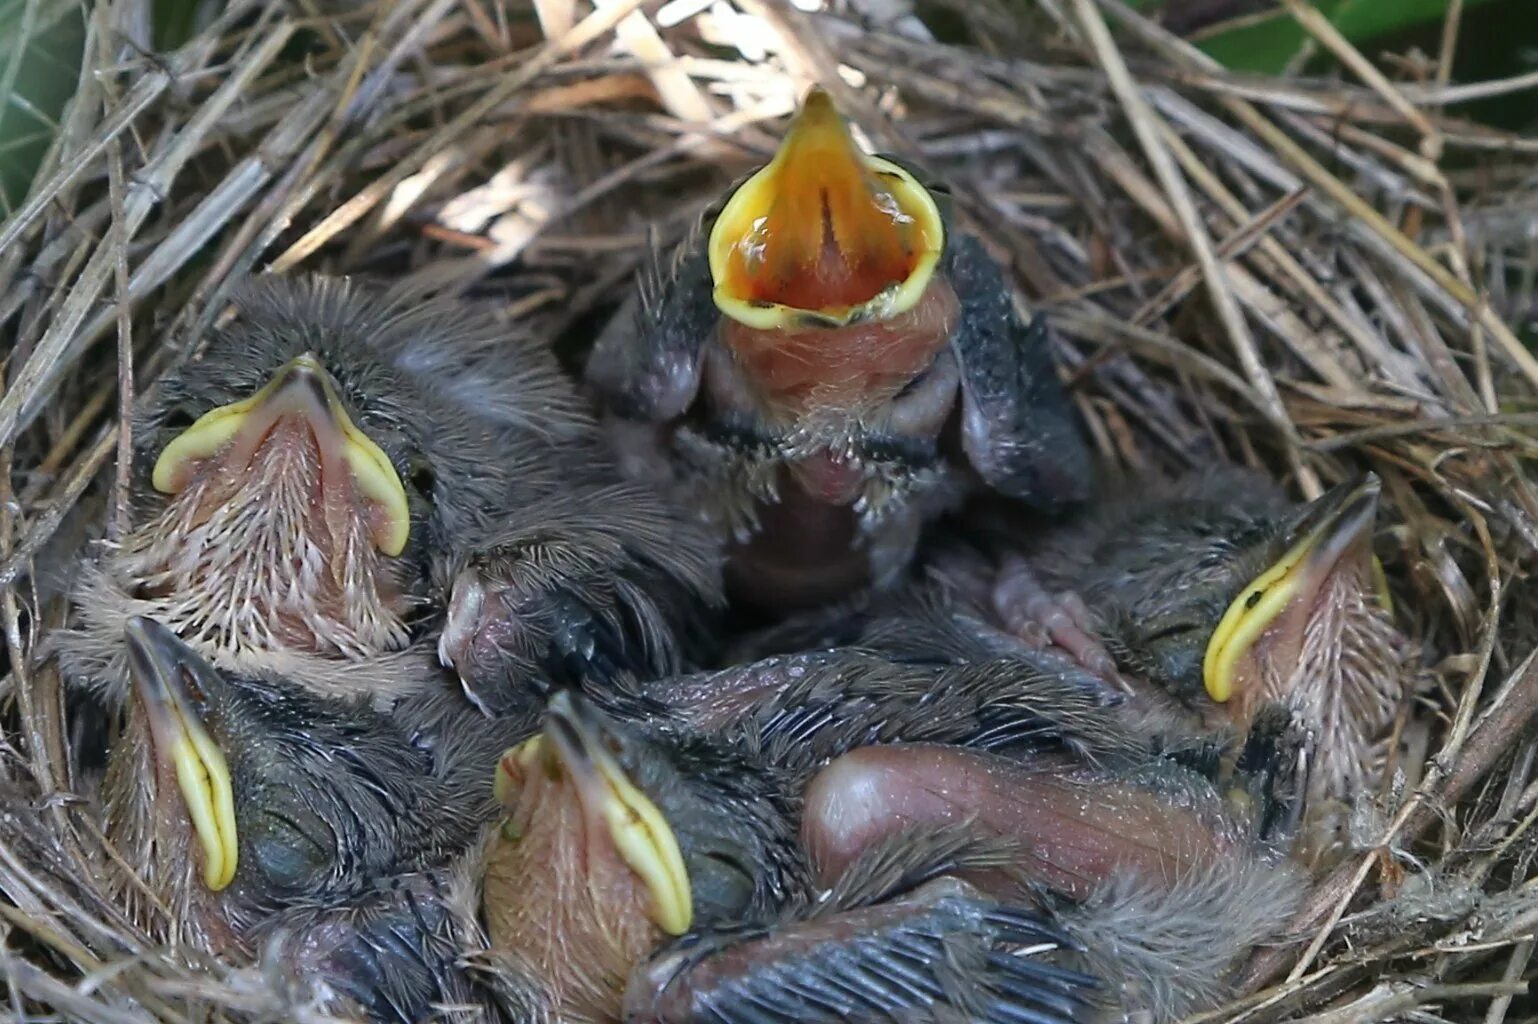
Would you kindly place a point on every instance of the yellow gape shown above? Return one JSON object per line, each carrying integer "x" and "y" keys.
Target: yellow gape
{"x": 1256, "y": 607}
{"x": 302, "y": 386}
{"x": 824, "y": 233}
{"x": 638, "y": 829}
{"x": 646, "y": 842}
{"x": 1348, "y": 519}
{"x": 204, "y": 780}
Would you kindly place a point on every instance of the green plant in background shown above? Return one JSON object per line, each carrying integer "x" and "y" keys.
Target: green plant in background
{"x": 41, "y": 42}
{"x": 1264, "y": 37}
{"x": 40, "y": 46}
{"x": 176, "y": 21}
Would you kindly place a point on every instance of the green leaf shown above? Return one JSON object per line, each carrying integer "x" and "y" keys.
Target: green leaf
{"x": 40, "y": 50}
{"x": 1269, "y": 43}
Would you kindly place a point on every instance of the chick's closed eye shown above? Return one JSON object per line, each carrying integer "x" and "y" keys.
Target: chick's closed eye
{"x": 285, "y": 848}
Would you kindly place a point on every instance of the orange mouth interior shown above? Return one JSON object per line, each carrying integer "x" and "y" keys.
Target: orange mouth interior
{"x": 826, "y": 227}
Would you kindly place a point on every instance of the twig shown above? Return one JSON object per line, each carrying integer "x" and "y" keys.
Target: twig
{"x": 585, "y": 32}
{"x": 1145, "y": 124}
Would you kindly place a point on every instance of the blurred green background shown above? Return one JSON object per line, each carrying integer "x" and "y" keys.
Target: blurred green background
{"x": 41, "y": 43}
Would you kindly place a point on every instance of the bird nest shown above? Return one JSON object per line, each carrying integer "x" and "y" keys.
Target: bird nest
{"x": 1312, "y": 276}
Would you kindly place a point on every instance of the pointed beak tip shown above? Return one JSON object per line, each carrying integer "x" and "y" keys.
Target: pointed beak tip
{"x": 154, "y": 652}
{"x": 138, "y": 631}
{"x": 302, "y": 386}
{"x": 818, "y": 115}
{"x": 824, "y": 232}
{"x": 563, "y": 703}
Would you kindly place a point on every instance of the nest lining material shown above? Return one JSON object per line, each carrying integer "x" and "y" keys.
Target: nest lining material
{"x": 1312, "y": 276}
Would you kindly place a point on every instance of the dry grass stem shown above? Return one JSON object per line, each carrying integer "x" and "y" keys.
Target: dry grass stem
{"x": 1313, "y": 275}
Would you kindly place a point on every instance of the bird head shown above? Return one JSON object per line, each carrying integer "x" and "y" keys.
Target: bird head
{"x": 1323, "y": 580}
{"x": 286, "y": 479}
{"x": 233, "y": 796}
{"x": 1248, "y": 605}
{"x": 824, "y": 266}
{"x": 617, "y": 837}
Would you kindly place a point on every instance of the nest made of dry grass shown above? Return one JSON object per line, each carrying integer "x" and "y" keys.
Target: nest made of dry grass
{"x": 1312, "y": 276}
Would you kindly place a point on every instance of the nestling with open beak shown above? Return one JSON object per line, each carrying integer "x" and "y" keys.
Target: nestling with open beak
{"x": 620, "y": 838}
{"x": 824, "y": 365}
{"x": 1227, "y": 597}
{"x": 233, "y": 797}
{"x": 340, "y": 473}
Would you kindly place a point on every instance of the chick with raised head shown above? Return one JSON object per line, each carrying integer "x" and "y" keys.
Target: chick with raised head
{"x": 232, "y": 797}
{"x": 637, "y": 866}
{"x": 1220, "y": 597}
{"x": 824, "y": 365}
{"x": 340, "y": 473}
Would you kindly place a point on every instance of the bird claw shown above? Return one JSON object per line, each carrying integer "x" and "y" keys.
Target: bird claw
{"x": 1043, "y": 619}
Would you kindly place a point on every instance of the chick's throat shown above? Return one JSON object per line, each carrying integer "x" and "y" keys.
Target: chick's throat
{"x": 558, "y": 893}
{"x": 800, "y": 369}
{"x": 270, "y": 549}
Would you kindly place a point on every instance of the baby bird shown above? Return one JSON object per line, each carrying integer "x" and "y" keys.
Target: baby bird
{"x": 345, "y": 488}
{"x": 621, "y": 837}
{"x": 1164, "y": 880}
{"x": 235, "y": 797}
{"x": 1227, "y": 597}
{"x": 397, "y": 954}
{"x": 798, "y": 710}
{"x": 824, "y": 365}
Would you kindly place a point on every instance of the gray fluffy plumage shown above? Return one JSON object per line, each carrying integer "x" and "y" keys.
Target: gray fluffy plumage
{"x": 510, "y": 493}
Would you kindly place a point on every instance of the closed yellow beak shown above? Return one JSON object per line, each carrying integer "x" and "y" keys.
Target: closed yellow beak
{"x": 574, "y": 740}
{"x": 163, "y": 670}
{"x": 301, "y": 388}
{"x": 1343, "y": 520}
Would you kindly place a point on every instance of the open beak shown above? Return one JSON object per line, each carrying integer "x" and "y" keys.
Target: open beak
{"x": 824, "y": 233}
{"x": 170, "y": 679}
{"x": 575, "y": 742}
{"x": 1335, "y": 533}
{"x": 302, "y": 390}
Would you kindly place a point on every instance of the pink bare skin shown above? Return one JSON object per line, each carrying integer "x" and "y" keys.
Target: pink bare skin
{"x": 1082, "y": 826}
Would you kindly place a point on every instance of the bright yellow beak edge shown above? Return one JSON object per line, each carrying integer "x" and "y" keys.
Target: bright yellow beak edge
{"x": 203, "y": 777}
{"x": 1258, "y": 605}
{"x": 647, "y": 844}
{"x": 371, "y": 470}
{"x": 745, "y": 210}
{"x": 639, "y": 830}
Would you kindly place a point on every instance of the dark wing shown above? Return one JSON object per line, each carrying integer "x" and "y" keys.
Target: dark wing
{"x": 945, "y": 953}
{"x": 396, "y": 954}
{"x": 859, "y": 699}
{"x": 646, "y": 363}
{"x": 1019, "y": 429}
